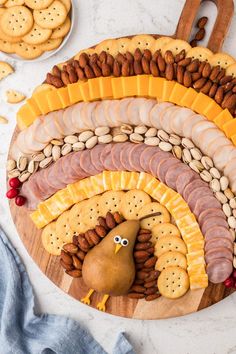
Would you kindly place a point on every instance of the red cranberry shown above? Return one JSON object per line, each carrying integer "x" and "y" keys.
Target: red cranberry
{"x": 12, "y": 193}
{"x": 229, "y": 283}
{"x": 20, "y": 200}
{"x": 14, "y": 182}
{"x": 234, "y": 274}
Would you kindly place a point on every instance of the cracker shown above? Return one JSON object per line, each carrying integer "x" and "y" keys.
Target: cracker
{"x": 91, "y": 211}
{"x": 111, "y": 201}
{"x": 171, "y": 259}
{"x": 16, "y": 21}
{"x": 6, "y": 46}
{"x": 121, "y": 45}
{"x": 44, "y": 87}
{"x": 50, "y": 44}
{"x": 222, "y": 59}
{"x": 62, "y": 30}
{"x": 231, "y": 70}
{"x": 76, "y": 218}
{"x": 163, "y": 230}
{"x": 27, "y": 51}
{"x": 142, "y": 41}
{"x": 148, "y": 215}
{"x": 106, "y": 45}
{"x": 2, "y": 2}
{"x": 160, "y": 43}
{"x": 63, "y": 229}
{"x": 176, "y": 46}
{"x": 67, "y": 4}
{"x": 173, "y": 282}
{"x": 201, "y": 53}
{"x": 132, "y": 202}
{"x": 11, "y": 3}
{"x": 52, "y": 17}
{"x": 51, "y": 241}
{"x": 37, "y": 35}
{"x": 14, "y": 96}
{"x": 3, "y": 120}
{"x": 2, "y": 10}
{"x": 5, "y": 69}
{"x": 170, "y": 243}
{"x": 38, "y": 4}
{"x": 9, "y": 39}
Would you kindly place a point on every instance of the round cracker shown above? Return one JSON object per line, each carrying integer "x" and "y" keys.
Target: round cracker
{"x": 231, "y": 70}
{"x": 62, "y": 30}
{"x": 11, "y": 3}
{"x": 201, "y": 53}
{"x": 222, "y": 59}
{"x": 6, "y": 46}
{"x": 163, "y": 230}
{"x": 67, "y": 4}
{"x": 176, "y": 46}
{"x": 106, "y": 46}
{"x": 63, "y": 229}
{"x": 44, "y": 87}
{"x": 171, "y": 259}
{"x": 91, "y": 211}
{"x": 132, "y": 202}
{"x": 142, "y": 41}
{"x": 51, "y": 241}
{"x": 52, "y": 17}
{"x": 170, "y": 243}
{"x": 121, "y": 45}
{"x": 27, "y": 51}
{"x": 37, "y": 35}
{"x": 16, "y": 21}
{"x": 173, "y": 282}
{"x": 111, "y": 202}
{"x": 151, "y": 209}
{"x": 9, "y": 39}
{"x": 38, "y": 4}
{"x": 50, "y": 44}
{"x": 160, "y": 43}
{"x": 76, "y": 218}
{"x": 5, "y": 69}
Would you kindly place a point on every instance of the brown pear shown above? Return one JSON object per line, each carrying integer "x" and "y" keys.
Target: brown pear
{"x": 108, "y": 272}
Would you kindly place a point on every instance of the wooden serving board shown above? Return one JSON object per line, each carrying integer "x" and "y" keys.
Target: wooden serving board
{"x": 161, "y": 308}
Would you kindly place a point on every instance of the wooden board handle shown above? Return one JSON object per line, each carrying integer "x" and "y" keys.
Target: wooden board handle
{"x": 225, "y": 11}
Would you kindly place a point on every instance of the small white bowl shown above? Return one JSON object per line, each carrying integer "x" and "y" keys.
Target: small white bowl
{"x": 48, "y": 54}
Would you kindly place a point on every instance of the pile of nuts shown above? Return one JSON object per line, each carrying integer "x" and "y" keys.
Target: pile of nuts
{"x": 200, "y": 34}
{"x": 145, "y": 283}
{"x": 211, "y": 81}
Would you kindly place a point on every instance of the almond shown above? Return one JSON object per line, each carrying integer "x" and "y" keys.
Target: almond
{"x": 225, "y": 79}
{"x": 145, "y": 65}
{"x": 75, "y": 240}
{"x": 153, "y": 275}
{"x": 137, "y": 54}
{"x": 118, "y": 218}
{"x": 138, "y": 289}
{"x": 143, "y": 246}
{"x": 89, "y": 72}
{"x": 106, "y": 70}
{"x": 116, "y": 69}
{"x": 161, "y": 63}
{"x": 187, "y": 80}
{"x": 102, "y": 57}
{"x": 93, "y": 58}
{"x": 213, "y": 90}
{"x": 83, "y": 60}
{"x": 125, "y": 70}
{"x": 110, "y": 221}
{"x": 56, "y": 71}
{"x": 76, "y": 273}
{"x": 144, "y": 231}
{"x": 169, "y": 58}
{"x": 154, "y": 68}
{"x": 138, "y": 70}
{"x": 77, "y": 263}
{"x": 230, "y": 102}
{"x": 214, "y": 73}
{"x": 228, "y": 87}
{"x": 152, "y": 297}
{"x": 80, "y": 73}
{"x": 193, "y": 66}
{"x": 140, "y": 254}
{"x": 200, "y": 34}
{"x": 55, "y": 81}
{"x": 94, "y": 236}
{"x": 144, "y": 237}
{"x": 180, "y": 74}
{"x": 150, "y": 284}
{"x": 66, "y": 266}
{"x": 147, "y": 54}
{"x": 180, "y": 56}
{"x": 199, "y": 83}
{"x": 201, "y": 66}
{"x": 100, "y": 230}
{"x": 141, "y": 275}
{"x": 219, "y": 95}
{"x": 206, "y": 88}
{"x": 201, "y": 23}
{"x": 66, "y": 257}
{"x": 150, "y": 250}
{"x": 169, "y": 73}
{"x": 97, "y": 71}
{"x": 65, "y": 77}
{"x": 185, "y": 62}
{"x": 136, "y": 296}
{"x": 83, "y": 243}
{"x": 71, "y": 248}
{"x": 150, "y": 262}
{"x": 138, "y": 282}
{"x": 81, "y": 255}
{"x": 220, "y": 75}
{"x": 151, "y": 290}
{"x": 196, "y": 76}
{"x": 193, "y": 43}
{"x": 102, "y": 222}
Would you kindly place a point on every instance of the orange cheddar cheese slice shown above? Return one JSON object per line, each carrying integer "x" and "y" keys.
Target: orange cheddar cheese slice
{"x": 64, "y": 96}
{"x": 84, "y": 90}
{"x": 117, "y": 87}
{"x": 129, "y": 85}
{"x": 196, "y": 269}
{"x": 65, "y": 198}
{"x": 189, "y": 229}
{"x": 54, "y": 100}
{"x": 105, "y": 87}
{"x": 195, "y": 246}
{"x": 174, "y": 202}
{"x": 229, "y": 128}
{"x": 196, "y": 257}
{"x": 180, "y": 211}
{"x": 177, "y": 93}
{"x": 43, "y": 209}
{"x": 133, "y": 181}
{"x": 97, "y": 183}
{"x": 156, "y": 86}
{"x": 94, "y": 89}
{"x": 198, "y": 281}
{"x": 33, "y": 106}
{"x": 188, "y": 98}
{"x": 76, "y": 192}
{"x": 144, "y": 179}
{"x": 125, "y": 177}
{"x": 42, "y": 102}
{"x": 186, "y": 220}
{"x": 55, "y": 205}
{"x": 38, "y": 219}
{"x": 212, "y": 110}
{"x": 167, "y": 196}
{"x": 87, "y": 187}
{"x": 233, "y": 138}
{"x": 143, "y": 85}
{"x": 167, "y": 90}
{"x": 74, "y": 93}
{"x": 25, "y": 117}
{"x": 193, "y": 236}
{"x": 115, "y": 180}
{"x": 200, "y": 103}
{"x": 106, "y": 176}
{"x": 222, "y": 118}
{"x": 159, "y": 191}
{"x": 151, "y": 186}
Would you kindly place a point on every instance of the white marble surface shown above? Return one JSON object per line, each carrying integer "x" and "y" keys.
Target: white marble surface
{"x": 211, "y": 331}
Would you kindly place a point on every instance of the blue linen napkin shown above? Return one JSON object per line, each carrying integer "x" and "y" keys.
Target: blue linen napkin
{"x": 22, "y": 332}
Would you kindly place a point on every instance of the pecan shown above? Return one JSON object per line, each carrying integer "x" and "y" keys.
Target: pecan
{"x": 89, "y": 72}
{"x": 193, "y": 66}
{"x": 152, "y": 297}
{"x": 213, "y": 90}
{"x": 76, "y": 273}
{"x": 180, "y": 56}
{"x": 97, "y": 71}
{"x": 201, "y": 23}
{"x": 199, "y": 83}
{"x": 150, "y": 284}
{"x": 65, "y": 265}
{"x": 206, "y": 88}
{"x": 169, "y": 58}
{"x": 81, "y": 255}
{"x": 196, "y": 76}
{"x": 200, "y": 34}
{"x": 137, "y": 54}
{"x": 219, "y": 95}
{"x": 77, "y": 263}
{"x": 110, "y": 60}
{"x": 94, "y": 236}
{"x": 65, "y": 77}
{"x": 100, "y": 230}
{"x": 138, "y": 288}
{"x": 71, "y": 248}
{"x": 154, "y": 68}
{"x": 116, "y": 69}
{"x": 102, "y": 222}
{"x": 143, "y": 245}
{"x": 229, "y": 102}
{"x": 187, "y": 80}
{"x": 180, "y": 74}
{"x": 110, "y": 221}
{"x": 161, "y": 63}
{"x": 147, "y": 54}
{"x": 55, "y": 81}
{"x": 83, "y": 60}
{"x": 141, "y": 275}
{"x": 66, "y": 257}
{"x": 80, "y": 73}
{"x": 150, "y": 262}
{"x": 169, "y": 73}
{"x": 106, "y": 70}
{"x": 214, "y": 73}
{"x": 56, "y": 71}
{"x": 206, "y": 70}
{"x": 144, "y": 237}
{"x": 120, "y": 58}
{"x": 185, "y": 62}
{"x": 102, "y": 57}
{"x": 118, "y": 218}
{"x": 125, "y": 68}
{"x": 193, "y": 43}
{"x": 145, "y": 65}
{"x": 138, "y": 70}
{"x": 136, "y": 296}
{"x": 201, "y": 66}
{"x": 225, "y": 79}
{"x": 151, "y": 290}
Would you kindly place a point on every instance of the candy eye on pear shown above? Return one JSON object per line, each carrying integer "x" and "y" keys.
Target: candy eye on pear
{"x": 124, "y": 242}
{"x": 117, "y": 239}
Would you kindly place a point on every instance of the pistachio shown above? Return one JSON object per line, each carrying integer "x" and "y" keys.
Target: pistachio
{"x": 78, "y": 146}
{"x": 136, "y": 138}
{"x": 215, "y": 185}
{"x": 71, "y": 139}
{"x": 165, "y": 146}
{"x": 56, "y": 152}
{"x": 91, "y": 142}
{"x": 187, "y": 143}
{"x": 105, "y": 139}
{"x": 126, "y": 128}
{"x": 22, "y": 163}
{"x": 232, "y": 203}
{"x": 14, "y": 173}
{"x": 32, "y": 166}
{"x": 177, "y": 152}
{"x": 196, "y": 165}
{"x": 66, "y": 149}
{"x": 24, "y": 176}
{"x": 232, "y": 234}
{"x": 86, "y": 135}
{"x": 163, "y": 136}
{"x": 46, "y": 162}
{"x": 207, "y": 162}
{"x": 11, "y": 165}
{"x": 57, "y": 142}
{"x": 151, "y": 132}
{"x": 206, "y": 176}
{"x": 215, "y": 173}
{"x": 227, "y": 210}
{"x": 187, "y": 158}
{"x": 224, "y": 183}
{"x": 120, "y": 138}
{"x": 232, "y": 222}
{"x": 140, "y": 129}
{"x": 48, "y": 150}
{"x": 221, "y": 197}
{"x": 196, "y": 154}
{"x": 234, "y": 212}
{"x": 38, "y": 157}
{"x": 152, "y": 141}
{"x": 99, "y": 131}
{"x": 174, "y": 139}
{"x": 229, "y": 194}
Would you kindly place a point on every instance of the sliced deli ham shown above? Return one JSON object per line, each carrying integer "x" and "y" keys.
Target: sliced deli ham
{"x": 219, "y": 270}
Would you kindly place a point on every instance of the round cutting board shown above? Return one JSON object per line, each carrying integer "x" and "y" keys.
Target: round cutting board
{"x": 160, "y": 308}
